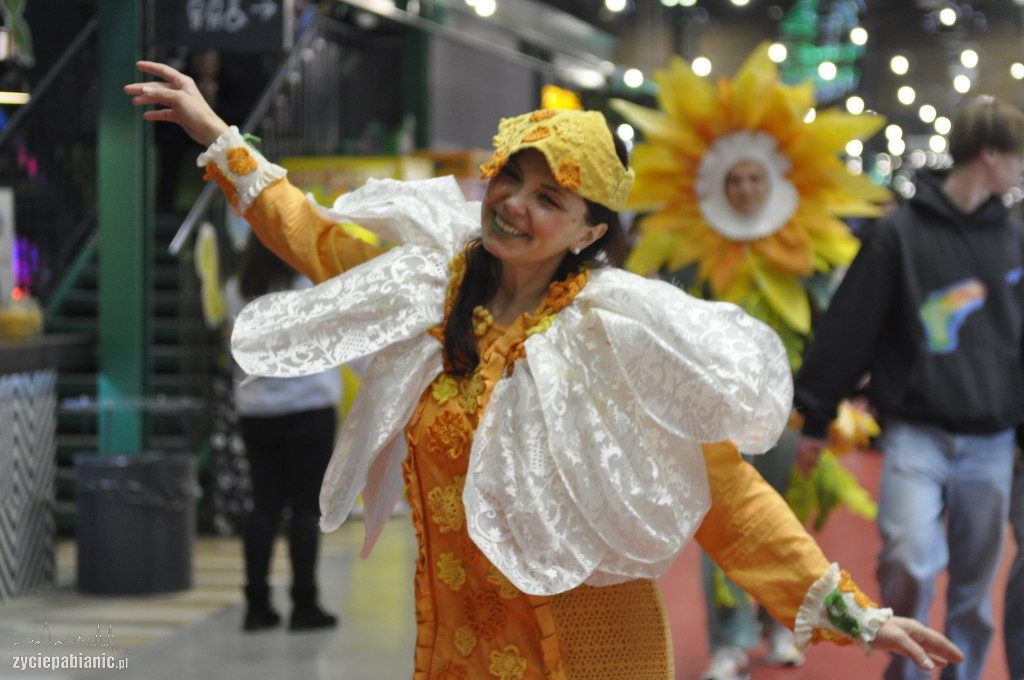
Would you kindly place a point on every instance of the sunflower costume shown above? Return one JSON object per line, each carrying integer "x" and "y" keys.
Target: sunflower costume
{"x": 776, "y": 263}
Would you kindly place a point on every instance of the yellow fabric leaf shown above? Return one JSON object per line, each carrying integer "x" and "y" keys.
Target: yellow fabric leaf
{"x": 785, "y": 294}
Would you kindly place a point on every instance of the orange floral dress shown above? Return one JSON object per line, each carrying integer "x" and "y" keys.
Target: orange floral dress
{"x": 472, "y": 621}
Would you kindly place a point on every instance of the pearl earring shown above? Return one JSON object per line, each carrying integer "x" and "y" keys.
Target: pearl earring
{"x": 574, "y": 250}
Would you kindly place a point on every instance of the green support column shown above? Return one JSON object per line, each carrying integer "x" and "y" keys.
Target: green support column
{"x": 124, "y": 227}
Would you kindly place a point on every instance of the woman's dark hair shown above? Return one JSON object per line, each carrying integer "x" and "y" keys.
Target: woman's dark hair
{"x": 483, "y": 271}
{"x": 261, "y": 271}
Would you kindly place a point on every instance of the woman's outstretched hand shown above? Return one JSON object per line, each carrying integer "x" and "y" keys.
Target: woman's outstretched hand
{"x": 184, "y": 103}
{"x": 927, "y": 648}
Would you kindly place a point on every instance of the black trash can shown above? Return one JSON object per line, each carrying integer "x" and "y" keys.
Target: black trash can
{"x": 135, "y": 522}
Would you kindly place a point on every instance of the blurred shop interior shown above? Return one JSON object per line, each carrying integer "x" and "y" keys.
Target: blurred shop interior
{"x": 114, "y": 384}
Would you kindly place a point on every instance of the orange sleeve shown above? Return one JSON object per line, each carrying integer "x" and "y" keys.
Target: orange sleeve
{"x": 751, "y": 533}
{"x": 291, "y": 226}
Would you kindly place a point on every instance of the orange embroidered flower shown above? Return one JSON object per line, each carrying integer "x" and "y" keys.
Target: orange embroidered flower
{"x": 468, "y": 550}
{"x": 452, "y": 671}
{"x": 470, "y": 390}
{"x": 536, "y": 134}
{"x": 225, "y": 184}
{"x": 240, "y": 161}
{"x": 446, "y": 506}
{"x": 507, "y": 663}
{"x": 485, "y": 613}
{"x": 847, "y": 585}
{"x": 444, "y": 388}
{"x": 505, "y": 587}
{"x": 450, "y": 571}
{"x": 450, "y": 436}
{"x": 570, "y": 175}
{"x": 465, "y": 641}
{"x": 543, "y": 114}
{"x": 497, "y": 162}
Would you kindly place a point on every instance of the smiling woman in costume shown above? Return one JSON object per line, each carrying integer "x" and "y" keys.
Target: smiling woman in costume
{"x": 564, "y": 428}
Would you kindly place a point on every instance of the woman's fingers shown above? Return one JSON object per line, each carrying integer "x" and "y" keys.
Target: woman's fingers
{"x": 926, "y": 647}
{"x": 168, "y": 73}
{"x": 183, "y": 102}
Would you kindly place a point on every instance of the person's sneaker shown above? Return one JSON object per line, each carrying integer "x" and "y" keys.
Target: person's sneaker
{"x": 782, "y": 650}
{"x": 728, "y": 663}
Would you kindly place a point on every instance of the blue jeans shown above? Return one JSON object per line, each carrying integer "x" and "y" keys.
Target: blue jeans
{"x": 928, "y": 476}
{"x": 737, "y": 626}
{"x": 1013, "y": 617}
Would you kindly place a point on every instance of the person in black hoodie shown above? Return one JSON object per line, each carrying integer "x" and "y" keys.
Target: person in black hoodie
{"x": 932, "y": 309}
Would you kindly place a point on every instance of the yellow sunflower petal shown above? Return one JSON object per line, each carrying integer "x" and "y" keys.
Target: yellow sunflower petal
{"x": 690, "y": 100}
{"x": 659, "y": 178}
{"x": 659, "y": 127}
{"x": 752, "y": 88}
{"x": 831, "y": 130}
{"x": 790, "y": 250}
{"x": 648, "y": 255}
{"x": 725, "y": 270}
{"x": 742, "y": 286}
{"x": 838, "y": 249}
{"x": 785, "y": 294}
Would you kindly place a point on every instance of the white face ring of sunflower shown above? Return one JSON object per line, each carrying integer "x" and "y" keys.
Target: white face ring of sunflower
{"x": 724, "y": 154}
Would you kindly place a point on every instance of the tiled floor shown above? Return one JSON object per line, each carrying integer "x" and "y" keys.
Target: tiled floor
{"x": 196, "y": 634}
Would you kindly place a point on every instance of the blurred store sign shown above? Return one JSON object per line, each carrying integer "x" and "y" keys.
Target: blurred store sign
{"x": 238, "y": 25}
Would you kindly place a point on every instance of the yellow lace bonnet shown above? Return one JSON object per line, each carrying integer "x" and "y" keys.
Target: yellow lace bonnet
{"x": 578, "y": 147}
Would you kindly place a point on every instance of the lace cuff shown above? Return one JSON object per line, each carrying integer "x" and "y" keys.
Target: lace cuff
{"x": 239, "y": 169}
{"x": 836, "y": 610}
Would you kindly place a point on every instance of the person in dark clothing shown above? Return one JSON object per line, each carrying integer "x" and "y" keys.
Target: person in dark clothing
{"x": 288, "y": 426}
{"x": 932, "y": 309}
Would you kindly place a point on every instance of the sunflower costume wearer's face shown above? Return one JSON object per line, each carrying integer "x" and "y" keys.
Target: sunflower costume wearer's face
{"x": 747, "y": 187}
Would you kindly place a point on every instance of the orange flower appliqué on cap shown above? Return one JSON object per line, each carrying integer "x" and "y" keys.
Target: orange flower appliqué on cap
{"x": 538, "y": 133}
{"x": 498, "y": 160}
{"x": 570, "y": 175}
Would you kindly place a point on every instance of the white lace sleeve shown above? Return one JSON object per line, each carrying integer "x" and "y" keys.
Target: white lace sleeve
{"x": 391, "y": 298}
{"x": 431, "y": 212}
{"x": 706, "y": 371}
{"x": 587, "y": 466}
